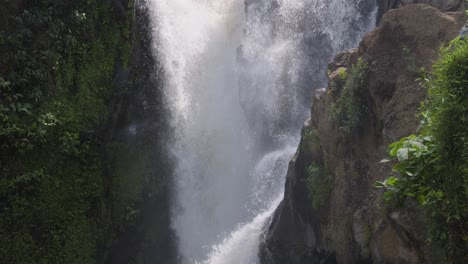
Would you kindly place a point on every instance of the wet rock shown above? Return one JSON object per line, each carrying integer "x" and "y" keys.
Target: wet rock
{"x": 354, "y": 225}
{"x": 442, "y": 5}
{"x": 120, "y": 7}
{"x": 138, "y": 169}
{"x": 343, "y": 59}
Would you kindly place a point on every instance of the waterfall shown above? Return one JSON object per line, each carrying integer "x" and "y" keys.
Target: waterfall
{"x": 238, "y": 77}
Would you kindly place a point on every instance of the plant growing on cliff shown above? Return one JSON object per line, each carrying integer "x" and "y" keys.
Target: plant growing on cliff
{"x": 319, "y": 185}
{"x": 57, "y": 63}
{"x": 351, "y": 106}
{"x": 432, "y": 167}
{"x": 342, "y": 73}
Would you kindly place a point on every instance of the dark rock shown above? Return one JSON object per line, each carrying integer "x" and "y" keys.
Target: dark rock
{"x": 353, "y": 226}
{"x": 121, "y": 7}
{"x": 138, "y": 170}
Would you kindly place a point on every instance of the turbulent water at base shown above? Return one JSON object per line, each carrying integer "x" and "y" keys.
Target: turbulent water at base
{"x": 238, "y": 81}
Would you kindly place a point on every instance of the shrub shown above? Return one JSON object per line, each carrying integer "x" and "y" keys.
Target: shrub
{"x": 432, "y": 167}
{"x": 342, "y": 73}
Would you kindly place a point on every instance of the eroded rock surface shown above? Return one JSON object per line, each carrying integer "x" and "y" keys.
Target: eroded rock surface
{"x": 354, "y": 225}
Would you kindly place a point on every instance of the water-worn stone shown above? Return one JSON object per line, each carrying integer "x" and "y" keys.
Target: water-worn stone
{"x": 354, "y": 226}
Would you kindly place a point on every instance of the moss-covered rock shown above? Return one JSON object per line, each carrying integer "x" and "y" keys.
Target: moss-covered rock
{"x": 74, "y": 181}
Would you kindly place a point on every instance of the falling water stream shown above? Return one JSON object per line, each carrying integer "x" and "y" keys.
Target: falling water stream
{"x": 238, "y": 80}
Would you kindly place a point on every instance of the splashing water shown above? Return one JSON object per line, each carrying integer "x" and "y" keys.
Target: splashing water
{"x": 238, "y": 78}
{"x": 241, "y": 246}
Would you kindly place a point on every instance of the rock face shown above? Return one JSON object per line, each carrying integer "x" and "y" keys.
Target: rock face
{"x": 138, "y": 168}
{"x": 348, "y": 222}
{"x": 443, "y": 5}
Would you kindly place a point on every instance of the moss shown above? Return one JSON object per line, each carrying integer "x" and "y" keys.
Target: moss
{"x": 309, "y": 138}
{"x": 131, "y": 179}
{"x": 126, "y": 48}
{"x": 367, "y": 234}
{"x": 365, "y": 253}
{"x": 412, "y": 64}
{"x": 56, "y": 69}
{"x": 319, "y": 185}
{"x": 310, "y": 135}
{"x": 343, "y": 73}
{"x": 351, "y": 106}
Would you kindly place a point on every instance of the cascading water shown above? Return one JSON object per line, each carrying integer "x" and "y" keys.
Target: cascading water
{"x": 238, "y": 78}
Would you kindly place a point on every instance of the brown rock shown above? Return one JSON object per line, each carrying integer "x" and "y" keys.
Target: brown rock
{"x": 442, "y": 5}
{"x": 353, "y": 226}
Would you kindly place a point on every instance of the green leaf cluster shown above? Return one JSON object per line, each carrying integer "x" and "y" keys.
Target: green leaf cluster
{"x": 432, "y": 167}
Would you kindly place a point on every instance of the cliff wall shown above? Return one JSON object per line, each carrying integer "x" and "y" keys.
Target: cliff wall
{"x": 331, "y": 213}
{"x": 83, "y": 175}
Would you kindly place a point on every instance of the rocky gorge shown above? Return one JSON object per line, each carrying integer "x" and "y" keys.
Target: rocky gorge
{"x": 161, "y": 131}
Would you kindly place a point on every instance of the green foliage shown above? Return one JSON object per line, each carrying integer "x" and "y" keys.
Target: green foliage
{"x": 56, "y": 68}
{"x": 342, "y": 73}
{"x": 351, "y": 106}
{"x": 308, "y": 136}
{"x": 416, "y": 159}
{"x": 319, "y": 185}
{"x": 433, "y": 166}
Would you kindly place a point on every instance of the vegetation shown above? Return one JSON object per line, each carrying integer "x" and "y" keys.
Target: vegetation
{"x": 351, "y": 106}
{"x": 56, "y": 68}
{"x": 308, "y": 136}
{"x": 319, "y": 185}
{"x": 342, "y": 73}
{"x": 432, "y": 167}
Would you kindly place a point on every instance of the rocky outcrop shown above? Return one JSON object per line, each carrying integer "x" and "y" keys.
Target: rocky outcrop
{"x": 346, "y": 220}
{"x": 443, "y": 5}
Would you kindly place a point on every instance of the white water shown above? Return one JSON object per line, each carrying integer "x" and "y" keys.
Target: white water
{"x": 238, "y": 88}
{"x": 241, "y": 245}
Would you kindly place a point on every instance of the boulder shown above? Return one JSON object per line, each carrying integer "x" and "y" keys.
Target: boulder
{"x": 442, "y": 5}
